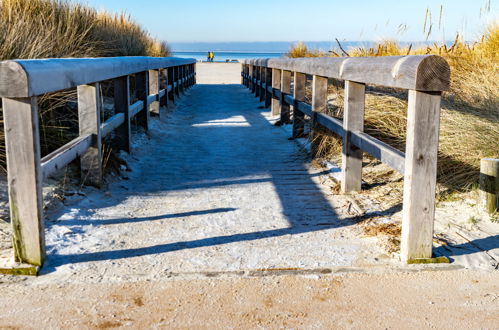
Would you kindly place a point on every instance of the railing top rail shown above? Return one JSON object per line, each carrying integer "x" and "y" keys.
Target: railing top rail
{"x": 430, "y": 73}
{"x": 26, "y": 78}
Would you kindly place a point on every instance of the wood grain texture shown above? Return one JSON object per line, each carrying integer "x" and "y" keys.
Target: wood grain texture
{"x": 285, "y": 88}
{"x": 319, "y": 104}
{"x": 299, "y": 80}
{"x": 416, "y": 72}
{"x": 353, "y": 120}
{"x": 276, "y": 83}
{"x": 89, "y": 111}
{"x": 423, "y": 122}
{"x": 25, "y": 179}
{"x": 489, "y": 185}
{"x": 24, "y": 78}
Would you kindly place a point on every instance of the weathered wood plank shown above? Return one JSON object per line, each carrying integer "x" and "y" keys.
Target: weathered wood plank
{"x": 268, "y": 85}
{"x": 154, "y": 80}
{"x": 423, "y": 121}
{"x": 89, "y": 109}
{"x": 380, "y": 150}
{"x": 136, "y": 108}
{"x": 353, "y": 120}
{"x": 123, "y": 134}
{"x": 415, "y": 72}
{"x": 319, "y": 104}
{"x": 111, "y": 124}
{"x": 285, "y": 88}
{"x": 276, "y": 83}
{"x": 25, "y": 78}
{"x": 299, "y": 96}
{"x": 61, "y": 157}
{"x": 25, "y": 179}
{"x": 489, "y": 184}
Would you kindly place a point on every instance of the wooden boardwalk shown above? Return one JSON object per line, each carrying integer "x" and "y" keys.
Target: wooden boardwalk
{"x": 215, "y": 187}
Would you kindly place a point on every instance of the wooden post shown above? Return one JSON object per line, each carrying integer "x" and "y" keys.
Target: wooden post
{"x": 489, "y": 184}
{"x": 263, "y": 80}
{"x": 319, "y": 104}
{"x": 285, "y": 88}
{"x": 243, "y": 69}
{"x": 171, "y": 80}
{"x": 176, "y": 75}
{"x": 252, "y": 75}
{"x": 24, "y": 177}
{"x": 353, "y": 120}
{"x": 299, "y": 95}
{"x": 276, "y": 83}
{"x": 258, "y": 75}
{"x": 121, "y": 105}
{"x": 268, "y": 82}
{"x": 142, "y": 89}
{"x": 89, "y": 108}
{"x": 164, "y": 101}
{"x": 423, "y": 121}
{"x": 154, "y": 80}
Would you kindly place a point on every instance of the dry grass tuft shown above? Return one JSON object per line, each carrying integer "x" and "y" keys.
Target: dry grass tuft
{"x": 470, "y": 111}
{"x": 57, "y": 28}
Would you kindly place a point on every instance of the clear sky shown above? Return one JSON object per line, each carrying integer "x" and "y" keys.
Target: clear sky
{"x": 312, "y": 20}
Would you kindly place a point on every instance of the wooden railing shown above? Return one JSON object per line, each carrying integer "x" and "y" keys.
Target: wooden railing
{"x": 424, "y": 76}
{"x": 22, "y": 81}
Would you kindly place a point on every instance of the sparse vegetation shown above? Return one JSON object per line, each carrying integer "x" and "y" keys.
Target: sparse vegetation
{"x": 470, "y": 110}
{"x": 57, "y": 28}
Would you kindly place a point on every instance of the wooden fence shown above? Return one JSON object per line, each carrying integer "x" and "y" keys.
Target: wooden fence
{"x": 22, "y": 81}
{"x": 425, "y": 77}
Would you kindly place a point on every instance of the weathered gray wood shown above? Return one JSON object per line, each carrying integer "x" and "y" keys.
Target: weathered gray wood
{"x": 123, "y": 133}
{"x": 89, "y": 108}
{"x": 380, "y": 150}
{"x": 142, "y": 91}
{"x": 353, "y": 120}
{"x": 176, "y": 75}
{"x": 319, "y": 104}
{"x": 299, "y": 80}
{"x": 154, "y": 80}
{"x": 25, "y": 78}
{"x": 25, "y": 179}
{"x": 263, "y": 79}
{"x": 415, "y": 72}
{"x": 489, "y": 184}
{"x": 258, "y": 78}
{"x": 61, "y": 157}
{"x": 332, "y": 124}
{"x": 111, "y": 124}
{"x": 171, "y": 84}
{"x": 285, "y": 88}
{"x": 423, "y": 121}
{"x": 268, "y": 85}
{"x": 276, "y": 83}
{"x": 136, "y": 108}
{"x": 252, "y": 76}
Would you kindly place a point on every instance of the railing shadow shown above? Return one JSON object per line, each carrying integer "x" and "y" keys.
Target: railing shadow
{"x": 250, "y": 151}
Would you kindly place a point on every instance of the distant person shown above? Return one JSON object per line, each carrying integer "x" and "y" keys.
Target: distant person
{"x": 208, "y": 57}
{"x": 212, "y": 56}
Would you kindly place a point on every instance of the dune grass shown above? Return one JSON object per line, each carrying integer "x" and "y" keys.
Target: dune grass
{"x": 470, "y": 110}
{"x": 56, "y": 28}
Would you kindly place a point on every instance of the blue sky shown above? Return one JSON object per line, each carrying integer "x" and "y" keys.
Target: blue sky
{"x": 312, "y": 20}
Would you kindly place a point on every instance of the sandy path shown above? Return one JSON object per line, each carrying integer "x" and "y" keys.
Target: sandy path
{"x": 424, "y": 300}
{"x": 216, "y": 193}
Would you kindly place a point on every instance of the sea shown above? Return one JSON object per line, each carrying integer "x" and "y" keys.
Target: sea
{"x": 222, "y": 56}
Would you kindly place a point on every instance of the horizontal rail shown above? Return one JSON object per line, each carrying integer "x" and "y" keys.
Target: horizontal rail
{"x": 112, "y": 123}
{"x": 26, "y": 78}
{"x": 380, "y": 150}
{"x": 65, "y": 155}
{"x": 135, "y": 108}
{"x": 417, "y": 72}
